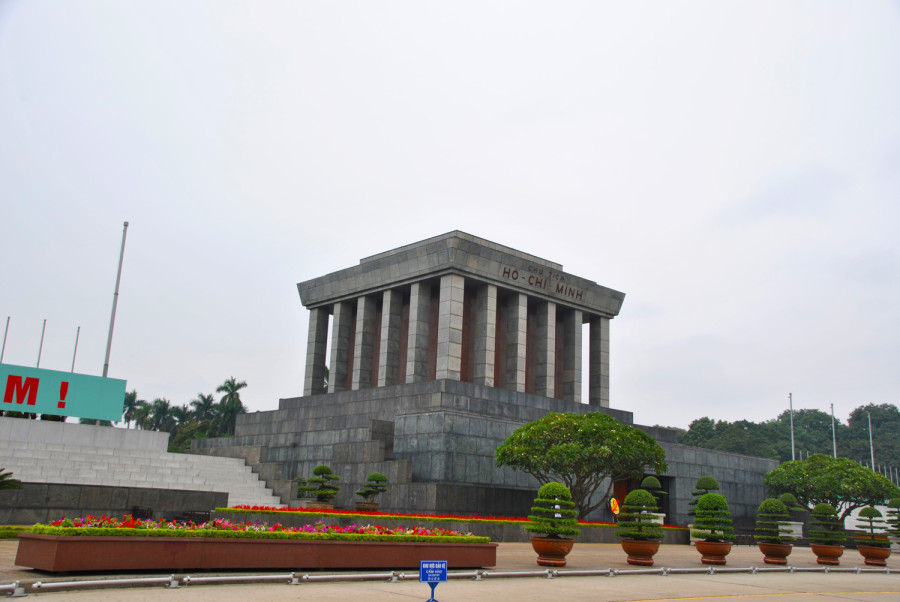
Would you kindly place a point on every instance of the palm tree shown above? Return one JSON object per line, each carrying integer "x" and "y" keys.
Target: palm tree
{"x": 161, "y": 415}
{"x": 142, "y": 415}
{"x": 229, "y": 406}
{"x": 7, "y": 482}
{"x": 131, "y": 404}
{"x": 204, "y": 407}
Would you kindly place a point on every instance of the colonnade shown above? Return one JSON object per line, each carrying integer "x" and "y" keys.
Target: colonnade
{"x": 456, "y": 328}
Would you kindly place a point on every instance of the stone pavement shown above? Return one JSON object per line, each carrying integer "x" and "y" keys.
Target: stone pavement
{"x": 518, "y": 557}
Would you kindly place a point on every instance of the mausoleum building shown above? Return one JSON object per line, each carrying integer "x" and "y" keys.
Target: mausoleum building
{"x": 433, "y": 354}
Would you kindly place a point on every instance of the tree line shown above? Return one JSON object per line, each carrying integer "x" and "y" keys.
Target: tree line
{"x": 202, "y": 417}
{"x": 812, "y": 435}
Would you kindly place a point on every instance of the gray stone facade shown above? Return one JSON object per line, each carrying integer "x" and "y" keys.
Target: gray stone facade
{"x": 439, "y": 350}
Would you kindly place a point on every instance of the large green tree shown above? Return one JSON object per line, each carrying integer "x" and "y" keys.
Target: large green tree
{"x": 840, "y": 482}
{"x": 583, "y": 451}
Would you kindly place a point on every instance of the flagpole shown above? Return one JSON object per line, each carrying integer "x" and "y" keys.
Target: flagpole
{"x": 112, "y": 318}
{"x": 791, "y": 402}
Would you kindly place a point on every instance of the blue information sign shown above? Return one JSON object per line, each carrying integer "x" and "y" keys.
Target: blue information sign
{"x": 432, "y": 572}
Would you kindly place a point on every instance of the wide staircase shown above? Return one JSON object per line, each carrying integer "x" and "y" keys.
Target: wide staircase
{"x": 88, "y": 455}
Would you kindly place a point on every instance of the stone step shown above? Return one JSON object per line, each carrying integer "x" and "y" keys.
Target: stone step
{"x": 71, "y": 464}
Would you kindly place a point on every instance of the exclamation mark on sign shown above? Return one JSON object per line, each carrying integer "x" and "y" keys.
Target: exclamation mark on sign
{"x": 63, "y": 391}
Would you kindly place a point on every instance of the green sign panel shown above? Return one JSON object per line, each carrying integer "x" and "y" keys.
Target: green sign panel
{"x": 61, "y": 393}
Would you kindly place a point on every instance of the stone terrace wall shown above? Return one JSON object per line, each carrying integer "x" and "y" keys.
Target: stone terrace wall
{"x": 47, "y": 502}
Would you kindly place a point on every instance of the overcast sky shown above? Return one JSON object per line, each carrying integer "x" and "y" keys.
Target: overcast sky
{"x": 733, "y": 167}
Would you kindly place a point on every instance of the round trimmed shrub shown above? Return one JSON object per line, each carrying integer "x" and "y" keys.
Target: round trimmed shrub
{"x": 870, "y": 520}
{"x": 704, "y": 484}
{"x": 790, "y": 500}
{"x": 893, "y": 520}
{"x": 376, "y": 483}
{"x": 771, "y": 518}
{"x": 320, "y": 485}
{"x": 713, "y": 522}
{"x": 825, "y": 527}
{"x": 636, "y": 520}
{"x": 554, "y": 512}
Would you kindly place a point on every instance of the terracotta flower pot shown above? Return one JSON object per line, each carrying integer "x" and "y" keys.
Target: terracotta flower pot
{"x": 640, "y": 552}
{"x": 552, "y": 551}
{"x": 874, "y": 555}
{"x": 775, "y": 553}
{"x": 827, "y": 554}
{"x": 713, "y": 552}
{"x": 367, "y": 506}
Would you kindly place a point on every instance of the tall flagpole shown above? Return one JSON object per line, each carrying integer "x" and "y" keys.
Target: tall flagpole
{"x": 6, "y": 332}
{"x": 74, "y": 353}
{"x": 833, "y": 432}
{"x": 41, "y": 348}
{"x": 112, "y": 318}
{"x": 871, "y": 447}
{"x": 791, "y": 402}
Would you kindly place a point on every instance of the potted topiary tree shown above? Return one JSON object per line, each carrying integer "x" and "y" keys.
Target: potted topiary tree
{"x": 715, "y": 533}
{"x": 770, "y": 533}
{"x": 639, "y": 529}
{"x": 826, "y": 534}
{"x": 875, "y": 547}
{"x": 554, "y": 516}
{"x": 705, "y": 484}
{"x": 319, "y": 486}
{"x": 376, "y": 483}
{"x": 893, "y": 520}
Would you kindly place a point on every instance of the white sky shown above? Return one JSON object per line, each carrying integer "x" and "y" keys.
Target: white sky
{"x": 733, "y": 167}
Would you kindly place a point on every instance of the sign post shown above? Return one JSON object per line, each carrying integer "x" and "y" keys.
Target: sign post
{"x": 432, "y": 572}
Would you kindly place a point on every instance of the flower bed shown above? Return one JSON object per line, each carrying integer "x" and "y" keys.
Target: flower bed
{"x": 498, "y": 528}
{"x": 93, "y": 544}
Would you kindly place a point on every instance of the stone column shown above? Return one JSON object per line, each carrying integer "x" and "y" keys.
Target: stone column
{"x": 450, "y": 326}
{"x": 364, "y": 344}
{"x": 417, "y": 339}
{"x": 545, "y": 349}
{"x": 342, "y": 325}
{"x": 571, "y": 385}
{"x": 484, "y": 338}
{"x": 389, "y": 350}
{"x": 516, "y": 341}
{"x": 316, "y": 343}
{"x": 599, "y": 362}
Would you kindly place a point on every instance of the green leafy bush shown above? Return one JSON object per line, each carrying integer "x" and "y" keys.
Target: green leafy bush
{"x": 320, "y": 485}
{"x": 12, "y": 531}
{"x": 704, "y": 485}
{"x": 771, "y": 519}
{"x": 636, "y": 520}
{"x": 554, "y": 512}
{"x": 652, "y": 484}
{"x": 790, "y": 500}
{"x": 713, "y": 522}
{"x": 376, "y": 483}
{"x": 870, "y": 520}
{"x": 893, "y": 520}
{"x": 825, "y": 527}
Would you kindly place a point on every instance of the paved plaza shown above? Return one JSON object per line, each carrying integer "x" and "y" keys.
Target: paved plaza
{"x": 798, "y": 586}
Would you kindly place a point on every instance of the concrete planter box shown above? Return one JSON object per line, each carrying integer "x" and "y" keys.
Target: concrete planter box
{"x": 69, "y": 554}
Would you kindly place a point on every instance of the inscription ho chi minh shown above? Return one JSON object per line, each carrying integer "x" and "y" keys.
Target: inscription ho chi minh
{"x": 544, "y": 279}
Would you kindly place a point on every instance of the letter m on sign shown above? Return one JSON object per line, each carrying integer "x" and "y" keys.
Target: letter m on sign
{"x": 16, "y": 388}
